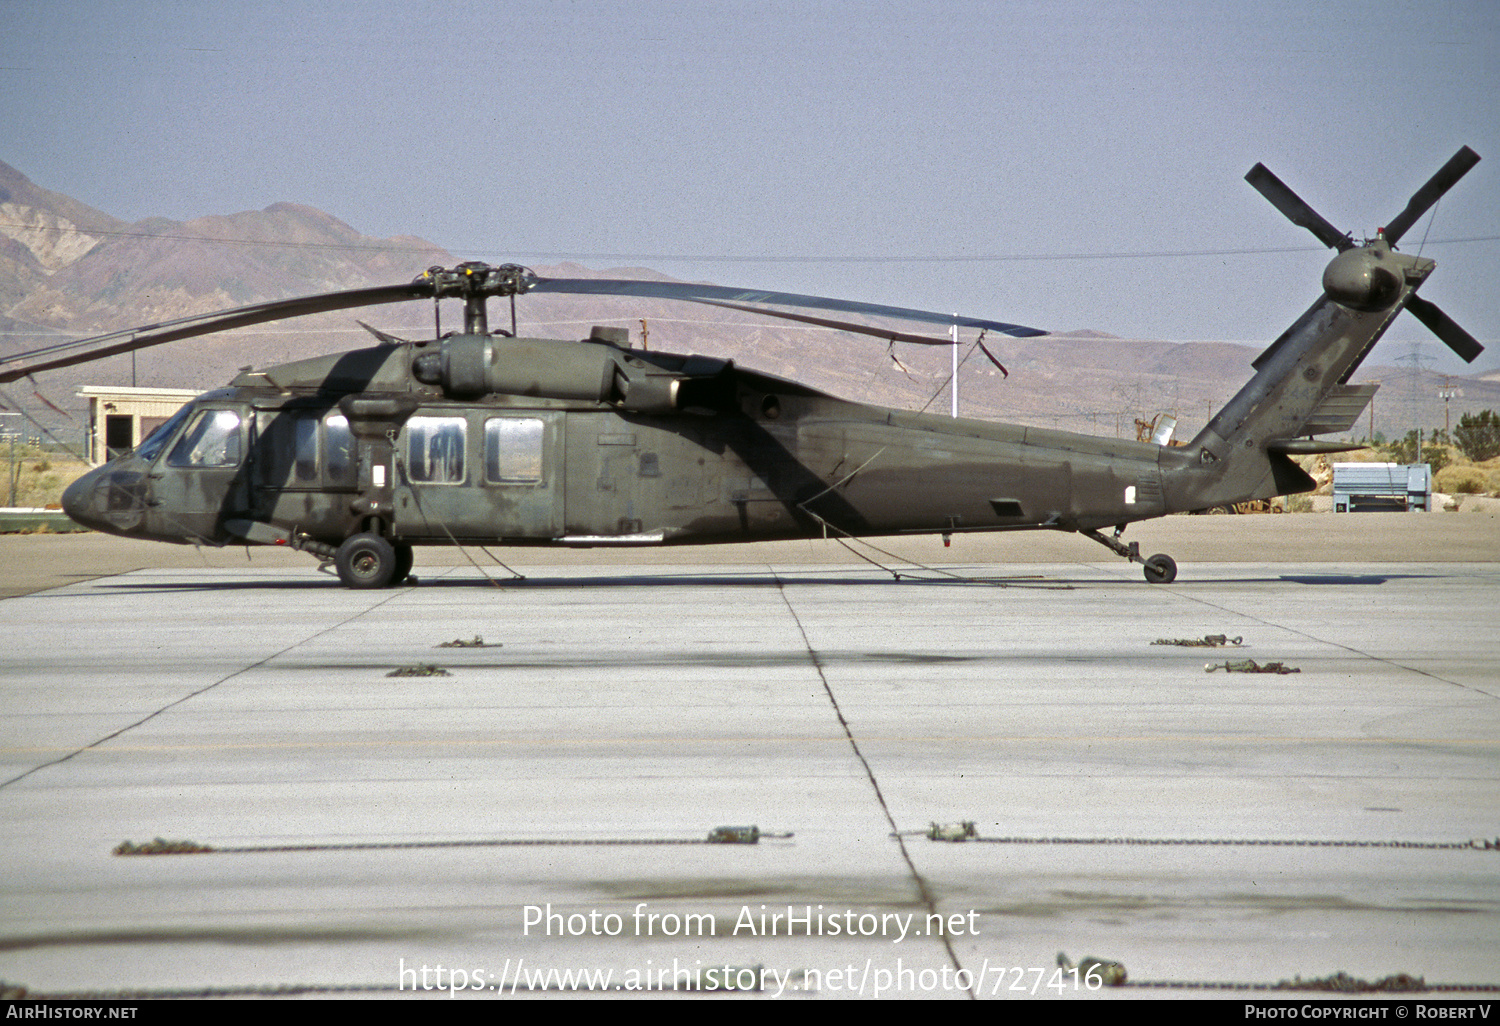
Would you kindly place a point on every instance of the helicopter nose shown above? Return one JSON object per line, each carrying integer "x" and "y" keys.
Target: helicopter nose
{"x": 76, "y": 499}
{"x": 111, "y": 498}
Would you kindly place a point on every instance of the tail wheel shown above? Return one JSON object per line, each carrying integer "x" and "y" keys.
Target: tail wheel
{"x": 1160, "y": 569}
{"x": 366, "y": 561}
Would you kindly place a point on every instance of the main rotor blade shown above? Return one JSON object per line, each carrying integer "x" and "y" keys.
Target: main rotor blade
{"x": 1445, "y": 328}
{"x": 475, "y": 282}
{"x": 1458, "y": 166}
{"x": 1296, "y": 209}
{"x": 67, "y": 354}
{"x": 719, "y": 295}
{"x": 825, "y": 322}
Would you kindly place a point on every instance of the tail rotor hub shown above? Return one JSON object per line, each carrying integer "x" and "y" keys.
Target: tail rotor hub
{"x": 1367, "y": 278}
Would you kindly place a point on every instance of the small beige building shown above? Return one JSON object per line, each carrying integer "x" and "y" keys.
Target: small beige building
{"x": 120, "y": 418}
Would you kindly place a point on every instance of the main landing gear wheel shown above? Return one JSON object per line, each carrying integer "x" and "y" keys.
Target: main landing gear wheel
{"x": 405, "y": 557}
{"x": 1160, "y": 569}
{"x": 366, "y": 561}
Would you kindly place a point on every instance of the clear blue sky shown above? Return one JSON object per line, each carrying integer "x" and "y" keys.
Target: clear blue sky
{"x": 919, "y": 153}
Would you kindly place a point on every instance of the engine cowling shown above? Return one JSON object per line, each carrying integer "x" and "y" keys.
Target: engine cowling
{"x": 471, "y": 366}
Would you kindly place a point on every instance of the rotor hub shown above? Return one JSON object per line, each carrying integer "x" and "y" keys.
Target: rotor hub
{"x": 478, "y": 280}
{"x": 1365, "y": 278}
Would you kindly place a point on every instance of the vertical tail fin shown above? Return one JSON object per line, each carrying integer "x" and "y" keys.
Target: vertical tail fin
{"x": 1301, "y": 385}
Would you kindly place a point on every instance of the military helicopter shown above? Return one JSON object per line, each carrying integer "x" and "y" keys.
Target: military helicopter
{"x": 481, "y": 436}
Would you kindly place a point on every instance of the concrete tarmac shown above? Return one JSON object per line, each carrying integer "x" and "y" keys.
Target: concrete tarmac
{"x": 367, "y": 827}
{"x": 33, "y": 562}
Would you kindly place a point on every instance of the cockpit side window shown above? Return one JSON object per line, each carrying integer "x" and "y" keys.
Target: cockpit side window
{"x": 157, "y": 440}
{"x": 340, "y": 450}
{"x": 212, "y": 440}
{"x": 305, "y": 452}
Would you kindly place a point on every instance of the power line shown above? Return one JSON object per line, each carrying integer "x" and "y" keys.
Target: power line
{"x": 722, "y": 258}
{"x": 102, "y": 234}
{"x": 958, "y": 259}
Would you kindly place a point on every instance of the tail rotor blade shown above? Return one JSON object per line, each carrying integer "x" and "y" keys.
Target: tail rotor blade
{"x": 1427, "y": 195}
{"x": 1445, "y": 328}
{"x": 1296, "y": 209}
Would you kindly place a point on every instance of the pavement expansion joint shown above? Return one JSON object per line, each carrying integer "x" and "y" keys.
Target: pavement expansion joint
{"x": 256, "y": 664}
{"x": 1280, "y": 668}
{"x": 924, "y": 892}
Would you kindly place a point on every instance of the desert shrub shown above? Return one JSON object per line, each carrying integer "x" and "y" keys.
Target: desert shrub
{"x": 1478, "y": 435}
{"x": 1405, "y": 451}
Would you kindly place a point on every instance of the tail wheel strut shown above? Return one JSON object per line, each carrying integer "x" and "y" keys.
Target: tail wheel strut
{"x": 1159, "y": 569}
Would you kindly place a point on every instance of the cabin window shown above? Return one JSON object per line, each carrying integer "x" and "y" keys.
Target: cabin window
{"x": 307, "y": 449}
{"x": 212, "y": 440}
{"x": 513, "y": 450}
{"x": 435, "y": 449}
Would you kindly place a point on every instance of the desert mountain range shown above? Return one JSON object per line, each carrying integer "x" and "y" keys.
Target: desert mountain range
{"x": 68, "y": 271}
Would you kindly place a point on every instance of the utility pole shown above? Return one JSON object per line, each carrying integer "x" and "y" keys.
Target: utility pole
{"x": 12, "y": 457}
{"x": 1445, "y": 393}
